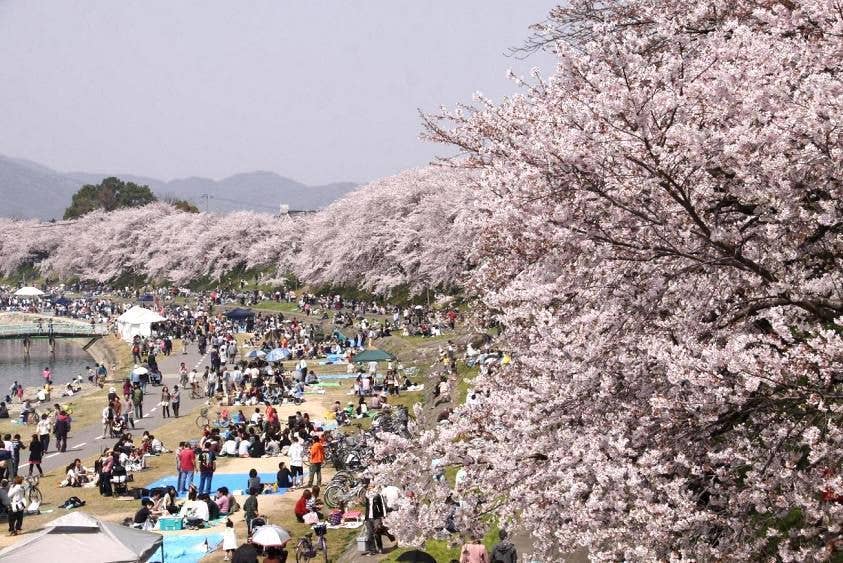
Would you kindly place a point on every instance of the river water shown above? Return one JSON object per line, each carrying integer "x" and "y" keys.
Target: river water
{"x": 69, "y": 361}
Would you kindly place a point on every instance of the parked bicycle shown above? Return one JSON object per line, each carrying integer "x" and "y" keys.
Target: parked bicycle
{"x": 307, "y": 549}
{"x": 31, "y": 492}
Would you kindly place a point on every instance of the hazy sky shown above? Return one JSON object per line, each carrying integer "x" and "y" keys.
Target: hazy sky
{"x": 314, "y": 90}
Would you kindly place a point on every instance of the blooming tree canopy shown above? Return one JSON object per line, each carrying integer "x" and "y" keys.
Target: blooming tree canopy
{"x": 156, "y": 240}
{"x": 663, "y": 245}
{"x": 412, "y": 229}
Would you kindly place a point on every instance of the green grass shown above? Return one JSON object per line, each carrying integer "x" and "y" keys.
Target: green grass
{"x": 465, "y": 375}
{"x": 442, "y": 551}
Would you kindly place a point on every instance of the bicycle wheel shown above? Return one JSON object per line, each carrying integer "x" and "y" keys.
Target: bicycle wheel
{"x": 202, "y": 421}
{"x": 35, "y": 495}
{"x": 323, "y": 545}
{"x": 301, "y": 555}
{"x": 334, "y": 494}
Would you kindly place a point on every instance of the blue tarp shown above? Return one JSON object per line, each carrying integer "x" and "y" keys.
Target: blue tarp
{"x": 184, "y": 548}
{"x": 234, "y": 481}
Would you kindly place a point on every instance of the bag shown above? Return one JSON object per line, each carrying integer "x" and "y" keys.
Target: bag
{"x": 311, "y": 518}
{"x": 335, "y": 518}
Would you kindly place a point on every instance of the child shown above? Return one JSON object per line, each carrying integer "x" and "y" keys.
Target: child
{"x": 250, "y": 508}
{"x": 229, "y": 539}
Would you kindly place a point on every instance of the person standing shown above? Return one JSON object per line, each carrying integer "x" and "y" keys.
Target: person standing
{"x": 187, "y": 466}
{"x": 16, "y": 506}
{"x": 17, "y": 446}
{"x": 165, "y": 402}
{"x": 295, "y": 452}
{"x": 317, "y": 458}
{"x": 504, "y": 551}
{"x": 176, "y": 400}
{"x": 137, "y": 401}
{"x": 250, "y": 508}
{"x": 474, "y": 552}
{"x": 36, "y": 454}
{"x": 128, "y": 414}
{"x": 44, "y": 428}
{"x": 207, "y": 466}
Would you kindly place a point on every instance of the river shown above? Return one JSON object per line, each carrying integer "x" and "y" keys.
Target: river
{"x": 69, "y": 361}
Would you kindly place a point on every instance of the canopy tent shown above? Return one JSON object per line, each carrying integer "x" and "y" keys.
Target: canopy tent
{"x": 239, "y": 314}
{"x": 137, "y": 321}
{"x": 373, "y": 355}
{"x": 82, "y": 537}
{"x": 29, "y": 291}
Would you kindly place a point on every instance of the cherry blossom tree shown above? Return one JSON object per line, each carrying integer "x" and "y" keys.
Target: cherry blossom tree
{"x": 662, "y": 245}
{"x": 157, "y": 240}
{"x": 412, "y": 229}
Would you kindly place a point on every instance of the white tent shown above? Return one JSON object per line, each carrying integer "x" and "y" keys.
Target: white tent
{"x": 81, "y": 537}
{"x": 29, "y": 291}
{"x": 137, "y": 321}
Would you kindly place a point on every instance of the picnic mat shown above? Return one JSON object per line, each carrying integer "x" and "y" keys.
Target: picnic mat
{"x": 186, "y": 548}
{"x": 234, "y": 481}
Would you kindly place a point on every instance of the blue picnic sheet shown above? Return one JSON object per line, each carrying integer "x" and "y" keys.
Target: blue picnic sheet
{"x": 186, "y": 548}
{"x": 234, "y": 481}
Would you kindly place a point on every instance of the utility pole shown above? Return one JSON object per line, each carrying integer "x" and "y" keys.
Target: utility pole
{"x": 207, "y": 197}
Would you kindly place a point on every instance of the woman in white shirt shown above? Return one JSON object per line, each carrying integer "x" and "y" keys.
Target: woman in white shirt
{"x": 243, "y": 448}
{"x": 16, "y": 506}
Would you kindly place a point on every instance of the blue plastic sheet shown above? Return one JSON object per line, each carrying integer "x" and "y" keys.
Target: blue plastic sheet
{"x": 234, "y": 481}
{"x": 186, "y": 548}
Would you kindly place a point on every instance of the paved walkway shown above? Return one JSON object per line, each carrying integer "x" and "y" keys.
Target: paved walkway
{"x": 88, "y": 441}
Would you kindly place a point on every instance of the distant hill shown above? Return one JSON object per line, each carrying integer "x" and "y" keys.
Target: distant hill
{"x": 29, "y": 189}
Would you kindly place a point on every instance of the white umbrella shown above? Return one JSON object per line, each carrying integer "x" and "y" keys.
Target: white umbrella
{"x": 139, "y": 370}
{"x": 256, "y": 354}
{"x": 271, "y": 535}
{"x": 29, "y": 291}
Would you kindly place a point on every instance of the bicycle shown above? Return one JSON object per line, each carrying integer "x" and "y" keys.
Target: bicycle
{"x": 31, "y": 492}
{"x": 196, "y": 393}
{"x": 343, "y": 492}
{"x": 307, "y": 550}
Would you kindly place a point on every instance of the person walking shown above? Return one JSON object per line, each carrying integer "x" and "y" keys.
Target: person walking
{"x": 61, "y": 429}
{"x": 137, "y": 401}
{"x": 165, "y": 402}
{"x": 187, "y": 466}
{"x": 16, "y": 506}
{"x": 504, "y": 551}
{"x": 295, "y": 453}
{"x": 176, "y": 400}
{"x": 317, "y": 458}
{"x": 44, "y": 428}
{"x": 36, "y": 454}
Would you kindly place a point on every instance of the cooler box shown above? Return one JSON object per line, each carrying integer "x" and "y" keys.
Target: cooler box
{"x": 170, "y": 523}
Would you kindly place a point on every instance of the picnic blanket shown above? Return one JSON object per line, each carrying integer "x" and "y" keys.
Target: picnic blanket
{"x": 234, "y": 481}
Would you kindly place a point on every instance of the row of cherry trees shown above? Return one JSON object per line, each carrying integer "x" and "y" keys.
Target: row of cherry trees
{"x": 662, "y": 239}
{"x": 397, "y": 231}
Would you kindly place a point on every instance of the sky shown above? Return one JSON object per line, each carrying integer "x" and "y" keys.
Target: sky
{"x": 315, "y": 90}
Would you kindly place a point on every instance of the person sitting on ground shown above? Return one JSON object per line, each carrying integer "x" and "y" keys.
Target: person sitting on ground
{"x": 143, "y": 515}
{"x": 4, "y": 410}
{"x": 254, "y": 480}
{"x": 229, "y": 447}
{"x": 213, "y": 508}
{"x": 243, "y": 448}
{"x": 223, "y": 501}
{"x": 194, "y": 511}
{"x": 300, "y": 508}
{"x": 283, "y": 478}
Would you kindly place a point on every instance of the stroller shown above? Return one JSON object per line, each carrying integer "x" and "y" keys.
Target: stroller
{"x": 155, "y": 377}
{"x": 119, "y": 478}
{"x": 257, "y": 522}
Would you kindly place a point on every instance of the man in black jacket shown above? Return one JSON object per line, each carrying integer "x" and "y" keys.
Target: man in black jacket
{"x": 504, "y": 551}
